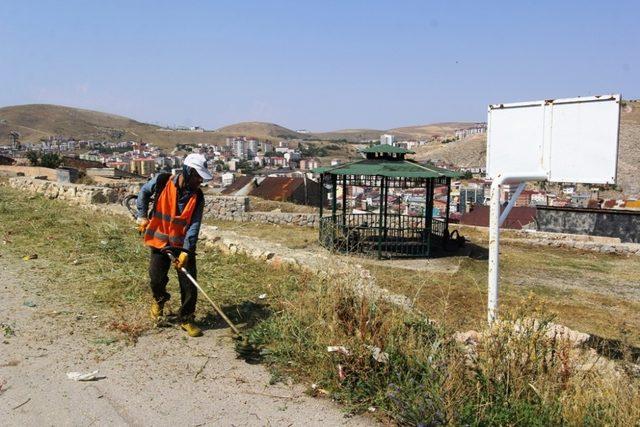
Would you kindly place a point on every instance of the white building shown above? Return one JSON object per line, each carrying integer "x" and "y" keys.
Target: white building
{"x": 252, "y": 148}
{"x": 387, "y": 139}
{"x": 267, "y": 147}
{"x": 227, "y": 179}
{"x": 239, "y": 148}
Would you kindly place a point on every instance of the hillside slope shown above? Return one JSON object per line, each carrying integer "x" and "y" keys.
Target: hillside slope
{"x": 350, "y": 135}
{"x": 421, "y": 132}
{"x": 40, "y": 120}
{"x": 467, "y": 152}
{"x": 36, "y": 121}
{"x": 260, "y": 130}
{"x": 629, "y": 148}
{"x": 425, "y": 132}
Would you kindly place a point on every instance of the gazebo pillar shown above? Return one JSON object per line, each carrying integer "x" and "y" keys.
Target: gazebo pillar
{"x": 334, "y": 203}
{"x": 321, "y": 194}
{"x": 334, "y": 186}
{"x": 428, "y": 213}
{"x": 446, "y": 216}
{"x": 344, "y": 200}
{"x": 381, "y": 217}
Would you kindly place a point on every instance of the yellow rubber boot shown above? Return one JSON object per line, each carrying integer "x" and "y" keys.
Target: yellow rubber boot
{"x": 191, "y": 329}
{"x": 156, "y": 310}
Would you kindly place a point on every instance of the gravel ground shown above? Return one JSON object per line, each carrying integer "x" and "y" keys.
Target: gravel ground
{"x": 164, "y": 379}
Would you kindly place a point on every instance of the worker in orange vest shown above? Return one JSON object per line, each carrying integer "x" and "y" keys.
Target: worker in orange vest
{"x": 174, "y": 221}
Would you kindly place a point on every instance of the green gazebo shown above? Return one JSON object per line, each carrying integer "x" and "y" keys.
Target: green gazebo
{"x": 394, "y": 228}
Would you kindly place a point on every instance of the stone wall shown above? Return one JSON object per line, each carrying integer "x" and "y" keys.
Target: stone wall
{"x": 237, "y": 208}
{"x": 74, "y": 193}
{"x": 225, "y": 207}
{"x": 623, "y": 224}
{"x": 230, "y": 208}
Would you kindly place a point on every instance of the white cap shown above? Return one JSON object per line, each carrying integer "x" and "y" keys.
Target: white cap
{"x": 199, "y": 163}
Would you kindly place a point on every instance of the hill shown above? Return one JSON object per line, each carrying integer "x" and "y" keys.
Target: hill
{"x": 36, "y": 121}
{"x": 421, "y": 132}
{"x": 426, "y": 132}
{"x": 260, "y": 130}
{"x": 629, "y": 147}
{"x": 350, "y": 135}
{"x": 467, "y": 152}
{"x": 41, "y": 120}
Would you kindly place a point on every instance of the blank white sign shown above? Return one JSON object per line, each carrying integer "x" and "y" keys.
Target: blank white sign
{"x": 567, "y": 140}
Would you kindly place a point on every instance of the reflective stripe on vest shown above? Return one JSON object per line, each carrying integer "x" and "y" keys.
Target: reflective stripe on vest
{"x": 166, "y": 227}
{"x": 168, "y": 218}
{"x": 172, "y": 240}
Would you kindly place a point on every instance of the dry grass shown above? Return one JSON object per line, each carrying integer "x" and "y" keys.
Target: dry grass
{"x": 589, "y": 292}
{"x": 592, "y": 293}
{"x": 510, "y": 378}
{"x": 290, "y": 236}
{"x": 256, "y": 204}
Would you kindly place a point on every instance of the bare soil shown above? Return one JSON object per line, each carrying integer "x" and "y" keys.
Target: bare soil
{"x": 163, "y": 379}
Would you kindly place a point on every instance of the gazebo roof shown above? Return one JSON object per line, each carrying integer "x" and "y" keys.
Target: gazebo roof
{"x": 388, "y": 168}
{"x": 388, "y": 161}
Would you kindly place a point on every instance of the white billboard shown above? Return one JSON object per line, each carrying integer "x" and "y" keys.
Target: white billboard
{"x": 566, "y": 140}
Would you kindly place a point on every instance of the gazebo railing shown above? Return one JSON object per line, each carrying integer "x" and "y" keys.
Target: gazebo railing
{"x": 400, "y": 235}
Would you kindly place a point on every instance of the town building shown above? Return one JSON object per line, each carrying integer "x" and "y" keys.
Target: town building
{"x": 143, "y": 166}
{"x": 387, "y": 139}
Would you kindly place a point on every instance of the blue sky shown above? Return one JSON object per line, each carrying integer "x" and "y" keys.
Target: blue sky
{"x": 317, "y": 65}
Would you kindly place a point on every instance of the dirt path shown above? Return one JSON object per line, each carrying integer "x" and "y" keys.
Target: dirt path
{"x": 164, "y": 379}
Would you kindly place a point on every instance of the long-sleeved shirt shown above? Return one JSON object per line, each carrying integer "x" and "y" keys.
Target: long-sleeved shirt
{"x": 148, "y": 189}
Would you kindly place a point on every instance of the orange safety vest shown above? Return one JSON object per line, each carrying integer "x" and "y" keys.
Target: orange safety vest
{"x": 166, "y": 227}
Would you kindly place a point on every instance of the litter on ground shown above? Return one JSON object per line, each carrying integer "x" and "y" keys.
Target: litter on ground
{"x": 89, "y": 376}
{"x": 338, "y": 349}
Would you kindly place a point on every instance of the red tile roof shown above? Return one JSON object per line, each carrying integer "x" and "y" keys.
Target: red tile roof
{"x": 238, "y": 184}
{"x": 518, "y": 217}
{"x": 277, "y": 188}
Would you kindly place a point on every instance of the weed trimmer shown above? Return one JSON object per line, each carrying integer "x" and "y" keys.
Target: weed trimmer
{"x": 244, "y": 349}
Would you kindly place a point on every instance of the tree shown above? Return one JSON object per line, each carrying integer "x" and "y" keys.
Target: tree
{"x": 32, "y": 156}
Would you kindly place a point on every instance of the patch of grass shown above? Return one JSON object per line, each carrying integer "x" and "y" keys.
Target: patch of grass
{"x": 290, "y": 236}
{"x": 7, "y": 330}
{"x": 510, "y": 378}
{"x": 584, "y": 290}
{"x": 257, "y": 204}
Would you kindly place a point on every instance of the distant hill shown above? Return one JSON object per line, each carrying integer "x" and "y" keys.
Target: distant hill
{"x": 467, "y": 152}
{"x": 426, "y": 132}
{"x": 629, "y": 148}
{"x": 260, "y": 130}
{"x": 36, "y": 121}
{"x": 41, "y": 120}
{"x": 350, "y": 135}
{"x": 422, "y": 132}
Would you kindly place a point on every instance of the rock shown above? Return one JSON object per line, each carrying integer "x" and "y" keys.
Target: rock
{"x": 607, "y": 249}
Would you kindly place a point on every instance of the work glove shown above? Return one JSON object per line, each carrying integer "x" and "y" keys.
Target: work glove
{"x": 181, "y": 261}
{"x": 142, "y": 224}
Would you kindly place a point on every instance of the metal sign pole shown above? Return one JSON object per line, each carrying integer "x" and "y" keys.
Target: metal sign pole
{"x": 495, "y": 220}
